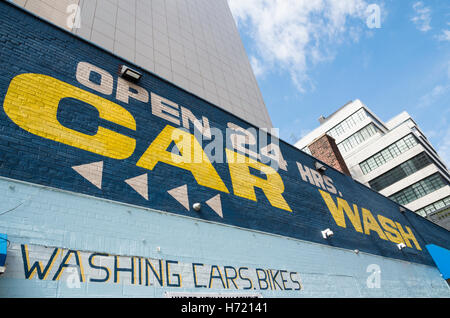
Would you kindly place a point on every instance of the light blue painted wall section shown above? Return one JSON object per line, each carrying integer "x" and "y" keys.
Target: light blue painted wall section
{"x": 49, "y": 217}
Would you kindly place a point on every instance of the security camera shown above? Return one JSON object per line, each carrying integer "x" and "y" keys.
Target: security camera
{"x": 327, "y": 233}
{"x": 401, "y": 246}
{"x": 320, "y": 167}
{"x": 197, "y": 206}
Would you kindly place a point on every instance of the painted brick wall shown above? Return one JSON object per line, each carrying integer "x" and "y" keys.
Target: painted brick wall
{"x": 55, "y": 218}
{"x": 30, "y": 46}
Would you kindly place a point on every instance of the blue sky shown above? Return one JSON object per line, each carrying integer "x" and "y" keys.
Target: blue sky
{"x": 311, "y": 57}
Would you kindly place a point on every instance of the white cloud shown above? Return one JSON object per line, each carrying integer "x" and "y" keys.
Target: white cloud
{"x": 443, "y": 147}
{"x": 439, "y": 91}
{"x": 440, "y": 137}
{"x": 444, "y": 36}
{"x": 448, "y": 70}
{"x": 257, "y": 67}
{"x": 422, "y": 17}
{"x": 294, "y": 35}
{"x": 433, "y": 96}
{"x": 435, "y": 102}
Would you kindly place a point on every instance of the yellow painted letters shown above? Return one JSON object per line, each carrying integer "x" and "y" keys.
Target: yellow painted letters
{"x": 338, "y": 211}
{"x": 191, "y": 158}
{"x": 408, "y": 236}
{"x": 390, "y": 229}
{"x": 371, "y": 224}
{"x": 244, "y": 182}
{"x": 393, "y": 231}
{"x": 32, "y": 103}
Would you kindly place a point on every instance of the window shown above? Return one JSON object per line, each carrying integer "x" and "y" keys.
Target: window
{"x": 419, "y": 189}
{"x": 402, "y": 171}
{"x": 357, "y": 138}
{"x": 401, "y": 144}
{"x": 348, "y": 123}
{"x": 434, "y": 206}
{"x": 410, "y": 141}
{"x": 388, "y": 154}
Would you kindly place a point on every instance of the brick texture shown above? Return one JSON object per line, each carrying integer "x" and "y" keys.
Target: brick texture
{"x": 30, "y": 46}
{"x": 325, "y": 149}
{"x": 46, "y": 202}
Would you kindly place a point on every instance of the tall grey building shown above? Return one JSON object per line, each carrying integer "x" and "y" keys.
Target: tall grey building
{"x": 394, "y": 158}
{"x": 194, "y": 44}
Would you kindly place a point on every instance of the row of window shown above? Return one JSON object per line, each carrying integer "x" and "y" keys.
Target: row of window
{"x": 388, "y": 153}
{"x": 357, "y": 138}
{"x": 402, "y": 171}
{"x": 419, "y": 189}
{"x": 443, "y": 216}
{"x": 348, "y": 123}
{"x": 434, "y": 206}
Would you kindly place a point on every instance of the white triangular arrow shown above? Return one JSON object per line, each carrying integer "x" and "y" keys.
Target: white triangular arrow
{"x": 139, "y": 184}
{"x": 181, "y": 195}
{"x": 215, "y": 204}
{"x": 92, "y": 172}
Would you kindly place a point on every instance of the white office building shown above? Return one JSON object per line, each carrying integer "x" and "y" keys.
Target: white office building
{"x": 194, "y": 44}
{"x": 394, "y": 157}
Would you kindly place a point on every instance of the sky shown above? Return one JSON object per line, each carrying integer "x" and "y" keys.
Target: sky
{"x": 311, "y": 57}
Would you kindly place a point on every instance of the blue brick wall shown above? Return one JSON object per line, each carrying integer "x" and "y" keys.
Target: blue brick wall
{"x": 62, "y": 219}
{"x": 29, "y": 45}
